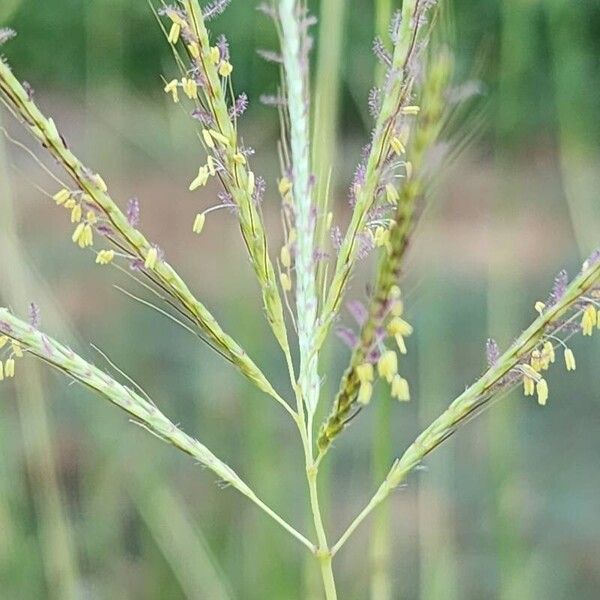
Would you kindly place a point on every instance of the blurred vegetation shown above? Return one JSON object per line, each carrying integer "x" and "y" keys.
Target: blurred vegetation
{"x": 507, "y": 509}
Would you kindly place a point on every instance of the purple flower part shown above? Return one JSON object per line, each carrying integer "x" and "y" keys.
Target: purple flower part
{"x": 347, "y": 336}
{"x": 215, "y": 8}
{"x": 320, "y": 255}
{"x": 223, "y": 46}
{"x": 104, "y": 229}
{"x": 227, "y": 200}
{"x": 6, "y": 34}
{"x": 34, "y": 315}
{"x": 365, "y": 245}
{"x": 378, "y": 212}
{"x": 133, "y": 212}
{"x": 381, "y": 53}
{"x": 358, "y": 311}
{"x": 492, "y": 352}
{"x": 239, "y": 107}
{"x": 375, "y": 101}
{"x": 395, "y": 25}
{"x": 272, "y": 100}
{"x": 336, "y": 237}
{"x": 5, "y": 327}
{"x": 559, "y": 287}
{"x": 360, "y": 174}
{"x": 270, "y": 56}
{"x": 594, "y": 258}
{"x": 260, "y": 187}
{"x": 137, "y": 264}
{"x": 373, "y": 355}
{"x": 203, "y": 116}
{"x": 198, "y": 77}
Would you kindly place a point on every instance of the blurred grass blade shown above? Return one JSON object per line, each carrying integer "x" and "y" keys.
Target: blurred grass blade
{"x": 56, "y": 544}
{"x": 181, "y": 542}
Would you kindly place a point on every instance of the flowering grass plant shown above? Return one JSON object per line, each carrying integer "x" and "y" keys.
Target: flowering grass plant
{"x": 304, "y": 283}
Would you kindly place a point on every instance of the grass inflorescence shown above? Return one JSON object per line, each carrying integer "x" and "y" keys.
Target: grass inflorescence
{"x": 309, "y": 277}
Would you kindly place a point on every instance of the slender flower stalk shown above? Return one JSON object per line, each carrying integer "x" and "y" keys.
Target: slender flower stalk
{"x": 222, "y": 139}
{"x": 38, "y": 344}
{"x": 498, "y": 379}
{"x": 92, "y": 193}
{"x": 295, "y": 63}
{"x": 381, "y": 307}
{"x": 399, "y": 82}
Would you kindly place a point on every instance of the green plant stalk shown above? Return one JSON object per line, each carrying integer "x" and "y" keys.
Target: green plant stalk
{"x": 306, "y": 295}
{"x": 505, "y": 447}
{"x": 380, "y": 547}
{"x": 149, "y": 416}
{"x": 237, "y": 177}
{"x": 18, "y": 100}
{"x": 390, "y": 265}
{"x": 577, "y": 141}
{"x": 56, "y": 543}
{"x": 180, "y": 541}
{"x": 395, "y": 97}
{"x": 435, "y": 339}
{"x": 477, "y": 396}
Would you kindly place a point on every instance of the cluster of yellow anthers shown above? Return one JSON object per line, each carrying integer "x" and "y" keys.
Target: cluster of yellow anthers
{"x": 225, "y": 68}
{"x": 285, "y": 188}
{"x": 380, "y": 234}
{"x": 7, "y": 366}
{"x": 542, "y": 357}
{"x": 387, "y": 364}
{"x": 83, "y": 235}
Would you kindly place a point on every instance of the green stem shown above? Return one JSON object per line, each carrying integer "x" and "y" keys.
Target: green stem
{"x": 323, "y": 553}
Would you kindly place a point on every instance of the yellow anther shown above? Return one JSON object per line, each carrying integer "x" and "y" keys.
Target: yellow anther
{"x": 286, "y": 257}
{"x": 105, "y": 257}
{"x": 171, "y": 88}
{"x": 365, "y": 391}
{"x": 365, "y": 373}
{"x": 199, "y": 223}
{"x": 215, "y": 55}
{"x": 9, "y": 368}
{"x": 61, "y": 197}
{"x": 285, "y": 186}
{"x": 200, "y": 179}
{"x": 397, "y": 146}
{"x": 410, "y": 110}
{"x": 173, "y": 37}
{"x": 387, "y": 366}
{"x": 76, "y": 213}
{"x": 239, "y": 158}
{"x": 286, "y": 282}
{"x": 542, "y": 392}
{"x": 570, "y": 360}
{"x": 400, "y": 388}
{"x": 391, "y": 193}
{"x": 190, "y": 87}
{"x": 225, "y": 68}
